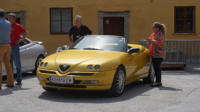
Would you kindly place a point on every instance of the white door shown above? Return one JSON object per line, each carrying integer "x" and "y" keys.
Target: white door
{"x": 26, "y": 55}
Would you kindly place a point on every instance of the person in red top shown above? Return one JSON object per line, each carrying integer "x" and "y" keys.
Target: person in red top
{"x": 156, "y": 50}
{"x": 18, "y": 33}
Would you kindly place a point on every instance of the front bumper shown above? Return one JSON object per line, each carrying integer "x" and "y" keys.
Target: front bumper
{"x": 88, "y": 81}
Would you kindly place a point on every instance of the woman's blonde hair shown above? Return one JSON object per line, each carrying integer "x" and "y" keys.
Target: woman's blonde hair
{"x": 161, "y": 27}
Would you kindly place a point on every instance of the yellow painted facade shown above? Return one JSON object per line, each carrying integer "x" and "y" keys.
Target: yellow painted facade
{"x": 142, "y": 14}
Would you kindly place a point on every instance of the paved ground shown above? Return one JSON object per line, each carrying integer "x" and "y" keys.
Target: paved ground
{"x": 180, "y": 93}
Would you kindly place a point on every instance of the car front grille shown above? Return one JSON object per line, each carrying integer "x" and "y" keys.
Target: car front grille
{"x": 47, "y": 72}
{"x": 68, "y": 86}
{"x": 82, "y": 74}
{"x": 64, "y": 68}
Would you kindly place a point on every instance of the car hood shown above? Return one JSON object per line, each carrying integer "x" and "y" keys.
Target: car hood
{"x": 86, "y": 56}
{"x": 82, "y": 58}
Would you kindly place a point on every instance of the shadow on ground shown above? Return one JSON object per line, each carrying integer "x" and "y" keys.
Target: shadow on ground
{"x": 131, "y": 91}
{"x": 9, "y": 91}
{"x": 25, "y": 76}
{"x": 169, "y": 88}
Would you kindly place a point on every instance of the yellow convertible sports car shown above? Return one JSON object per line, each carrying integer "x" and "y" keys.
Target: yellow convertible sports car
{"x": 96, "y": 62}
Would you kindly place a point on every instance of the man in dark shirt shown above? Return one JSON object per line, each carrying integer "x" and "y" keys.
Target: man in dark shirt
{"x": 78, "y": 30}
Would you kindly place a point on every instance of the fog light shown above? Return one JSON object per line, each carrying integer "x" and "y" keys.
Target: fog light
{"x": 90, "y": 67}
{"x": 91, "y": 82}
{"x": 41, "y": 78}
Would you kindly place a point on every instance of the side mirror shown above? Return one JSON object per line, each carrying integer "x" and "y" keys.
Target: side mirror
{"x": 62, "y": 48}
{"x": 38, "y": 42}
{"x": 133, "y": 50}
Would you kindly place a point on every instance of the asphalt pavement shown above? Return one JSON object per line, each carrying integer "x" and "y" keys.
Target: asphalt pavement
{"x": 180, "y": 93}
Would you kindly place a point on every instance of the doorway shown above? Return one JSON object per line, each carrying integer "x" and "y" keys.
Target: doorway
{"x": 113, "y": 26}
{"x": 114, "y": 23}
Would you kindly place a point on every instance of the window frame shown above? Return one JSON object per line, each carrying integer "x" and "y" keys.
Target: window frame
{"x": 194, "y": 20}
{"x": 61, "y": 32}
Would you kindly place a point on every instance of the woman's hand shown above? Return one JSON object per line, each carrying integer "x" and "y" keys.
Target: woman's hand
{"x": 164, "y": 58}
{"x": 148, "y": 39}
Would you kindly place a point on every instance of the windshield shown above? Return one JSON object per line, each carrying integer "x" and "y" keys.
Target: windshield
{"x": 108, "y": 43}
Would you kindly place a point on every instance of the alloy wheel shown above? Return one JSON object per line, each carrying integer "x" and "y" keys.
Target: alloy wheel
{"x": 39, "y": 60}
{"x": 120, "y": 81}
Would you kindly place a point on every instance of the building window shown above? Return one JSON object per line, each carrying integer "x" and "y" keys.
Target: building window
{"x": 60, "y": 20}
{"x": 184, "y": 19}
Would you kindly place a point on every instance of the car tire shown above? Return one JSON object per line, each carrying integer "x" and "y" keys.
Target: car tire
{"x": 49, "y": 89}
{"x": 119, "y": 81}
{"x": 151, "y": 76}
{"x": 39, "y": 59}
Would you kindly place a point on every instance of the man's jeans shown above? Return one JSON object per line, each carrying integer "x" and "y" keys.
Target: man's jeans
{"x": 15, "y": 58}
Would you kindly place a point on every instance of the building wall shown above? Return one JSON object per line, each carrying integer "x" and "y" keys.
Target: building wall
{"x": 142, "y": 14}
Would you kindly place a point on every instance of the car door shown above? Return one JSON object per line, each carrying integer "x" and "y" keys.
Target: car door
{"x": 133, "y": 61}
{"x": 142, "y": 62}
{"x": 136, "y": 65}
{"x": 26, "y": 54}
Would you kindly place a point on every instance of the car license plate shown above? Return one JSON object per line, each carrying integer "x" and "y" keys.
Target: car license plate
{"x": 62, "y": 80}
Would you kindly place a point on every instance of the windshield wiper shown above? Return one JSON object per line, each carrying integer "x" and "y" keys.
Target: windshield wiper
{"x": 92, "y": 49}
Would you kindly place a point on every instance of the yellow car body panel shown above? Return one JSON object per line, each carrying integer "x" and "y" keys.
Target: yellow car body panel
{"x": 136, "y": 67}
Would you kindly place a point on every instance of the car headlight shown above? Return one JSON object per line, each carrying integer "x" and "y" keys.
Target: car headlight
{"x": 90, "y": 67}
{"x": 44, "y": 64}
{"x": 97, "y": 67}
{"x": 41, "y": 64}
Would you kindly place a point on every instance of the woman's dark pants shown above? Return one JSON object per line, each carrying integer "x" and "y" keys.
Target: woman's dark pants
{"x": 157, "y": 68}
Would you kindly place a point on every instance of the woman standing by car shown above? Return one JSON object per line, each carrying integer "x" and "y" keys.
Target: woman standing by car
{"x": 156, "y": 50}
